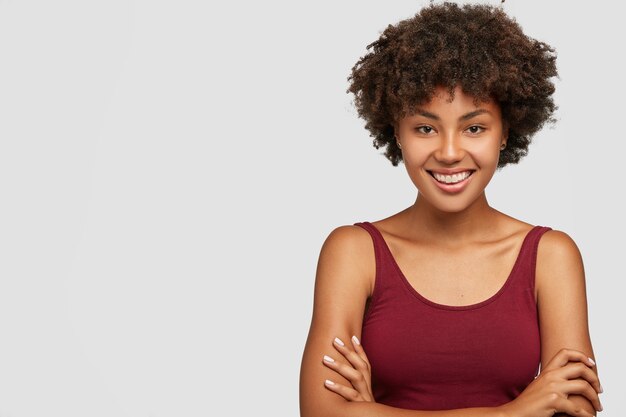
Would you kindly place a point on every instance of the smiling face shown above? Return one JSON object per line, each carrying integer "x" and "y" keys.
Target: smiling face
{"x": 452, "y": 137}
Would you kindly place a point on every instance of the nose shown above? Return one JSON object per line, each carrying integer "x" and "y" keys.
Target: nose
{"x": 450, "y": 149}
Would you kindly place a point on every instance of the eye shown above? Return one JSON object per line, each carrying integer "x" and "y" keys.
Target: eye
{"x": 475, "y": 129}
{"x": 424, "y": 129}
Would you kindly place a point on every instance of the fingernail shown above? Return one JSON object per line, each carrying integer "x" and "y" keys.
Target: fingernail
{"x": 592, "y": 361}
{"x": 356, "y": 340}
{"x": 328, "y": 359}
{"x": 601, "y": 389}
{"x": 329, "y": 382}
{"x": 338, "y": 341}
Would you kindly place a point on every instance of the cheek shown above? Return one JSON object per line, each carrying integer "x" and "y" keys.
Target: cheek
{"x": 417, "y": 155}
{"x": 414, "y": 163}
{"x": 485, "y": 154}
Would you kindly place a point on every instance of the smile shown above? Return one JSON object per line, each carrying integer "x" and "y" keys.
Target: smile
{"x": 452, "y": 183}
{"x": 451, "y": 179}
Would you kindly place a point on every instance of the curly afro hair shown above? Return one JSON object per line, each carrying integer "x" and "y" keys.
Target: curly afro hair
{"x": 478, "y": 47}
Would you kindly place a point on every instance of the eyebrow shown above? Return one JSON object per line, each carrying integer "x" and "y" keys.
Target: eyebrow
{"x": 464, "y": 117}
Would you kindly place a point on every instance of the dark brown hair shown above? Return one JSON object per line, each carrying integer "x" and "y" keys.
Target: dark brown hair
{"x": 477, "y": 47}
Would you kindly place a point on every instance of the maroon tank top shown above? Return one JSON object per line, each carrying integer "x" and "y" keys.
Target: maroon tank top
{"x": 430, "y": 356}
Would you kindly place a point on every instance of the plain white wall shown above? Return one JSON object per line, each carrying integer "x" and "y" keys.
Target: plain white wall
{"x": 170, "y": 169}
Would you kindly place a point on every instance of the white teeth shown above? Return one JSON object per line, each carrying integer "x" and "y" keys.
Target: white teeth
{"x": 451, "y": 179}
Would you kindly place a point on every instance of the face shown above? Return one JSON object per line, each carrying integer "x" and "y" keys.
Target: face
{"x": 452, "y": 137}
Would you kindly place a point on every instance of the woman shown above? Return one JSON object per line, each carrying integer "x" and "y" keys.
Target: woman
{"x": 451, "y": 307}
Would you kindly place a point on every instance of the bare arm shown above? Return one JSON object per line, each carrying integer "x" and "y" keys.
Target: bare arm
{"x": 343, "y": 283}
{"x": 562, "y": 301}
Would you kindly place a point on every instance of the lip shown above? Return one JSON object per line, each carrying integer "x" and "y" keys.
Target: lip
{"x": 453, "y": 188}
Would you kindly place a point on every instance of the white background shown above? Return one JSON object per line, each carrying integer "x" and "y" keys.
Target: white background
{"x": 170, "y": 169}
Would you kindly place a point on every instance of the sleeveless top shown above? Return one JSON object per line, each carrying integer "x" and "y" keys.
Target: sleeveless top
{"x": 430, "y": 356}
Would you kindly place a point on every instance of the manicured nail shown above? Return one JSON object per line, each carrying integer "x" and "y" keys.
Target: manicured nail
{"x": 338, "y": 341}
{"x": 328, "y": 359}
{"x": 601, "y": 389}
{"x": 355, "y": 340}
{"x": 329, "y": 382}
{"x": 592, "y": 361}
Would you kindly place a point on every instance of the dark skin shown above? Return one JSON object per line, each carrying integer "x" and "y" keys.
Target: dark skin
{"x": 440, "y": 233}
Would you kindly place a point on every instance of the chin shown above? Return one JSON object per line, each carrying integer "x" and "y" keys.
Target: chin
{"x": 456, "y": 208}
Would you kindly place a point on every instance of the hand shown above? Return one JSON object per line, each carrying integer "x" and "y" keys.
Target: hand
{"x": 359, "y": 374}
{"x": 568, "y": 372}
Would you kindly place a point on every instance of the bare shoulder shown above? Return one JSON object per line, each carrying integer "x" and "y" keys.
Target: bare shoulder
{"x": 556, "y": 247}
{"x": 558, "y": 240}
{"x": 351, "y": 247}
{"x": 559, "y": 262}
{"x": 351, "y": 236}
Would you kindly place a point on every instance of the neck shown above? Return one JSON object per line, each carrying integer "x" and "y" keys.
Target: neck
{"x": 452, "y": 229}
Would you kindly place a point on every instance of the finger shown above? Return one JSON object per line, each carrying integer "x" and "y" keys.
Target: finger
{"x": 359, "y": 350}
{"x": 351, "y": 356}
{"x": 574, "y": 370}
{"x": 564, "y": 356}
{"x": 342, "y": 369}
{"x": 571, "y": 409}
{"x": 355, "y": 377}
{"x": 367, "y": 374}
{"x": 582, "y": 387}
{"x": 348, "y": 393}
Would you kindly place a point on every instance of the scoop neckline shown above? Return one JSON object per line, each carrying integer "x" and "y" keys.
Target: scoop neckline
{"x": 479, "y": 304}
